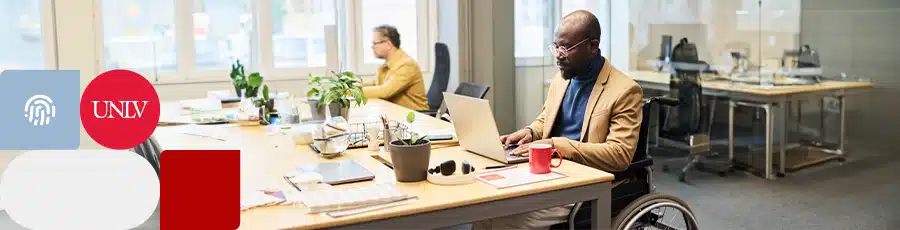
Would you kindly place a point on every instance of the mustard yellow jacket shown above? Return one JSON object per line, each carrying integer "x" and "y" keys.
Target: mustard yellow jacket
{"x": 400, "y": 82}
{"x": 612, "y": 121}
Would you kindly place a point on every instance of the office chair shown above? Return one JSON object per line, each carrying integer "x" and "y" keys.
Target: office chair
{"x": 440, "y": 80}
{"x": 636, "y": 199}
{"x": 466, "y": 89}
{"x": 689, "y": 132}
{"x": 150, "y": 150}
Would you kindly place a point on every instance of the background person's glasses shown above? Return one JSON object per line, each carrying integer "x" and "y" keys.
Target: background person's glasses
{"x": 378, "y": 42}
{"x": 558, "y": 51}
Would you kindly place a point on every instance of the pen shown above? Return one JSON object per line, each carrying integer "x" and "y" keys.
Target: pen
{"x": 499, "y": 166}
{"x": 292, "y": 183}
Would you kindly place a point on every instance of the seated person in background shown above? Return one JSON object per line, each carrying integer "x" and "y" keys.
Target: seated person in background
{"x": 592, "y": 115}
{"x": 399, "y": 79}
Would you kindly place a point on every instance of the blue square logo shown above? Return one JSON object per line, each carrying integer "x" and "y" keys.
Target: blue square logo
{"x": 39, "y": 109}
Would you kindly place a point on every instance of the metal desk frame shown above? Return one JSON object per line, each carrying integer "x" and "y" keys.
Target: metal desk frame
{"x": 600, "y": 193}
{"x": 768, "y": 103}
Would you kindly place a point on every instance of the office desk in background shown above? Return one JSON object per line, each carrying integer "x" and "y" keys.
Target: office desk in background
{"x": 266, "y": 158}
{"x": 768, "y": 98}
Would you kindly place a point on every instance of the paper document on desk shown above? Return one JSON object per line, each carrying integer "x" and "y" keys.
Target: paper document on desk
{"x": 342, "y": 213}
{"x": 515, "y": 177}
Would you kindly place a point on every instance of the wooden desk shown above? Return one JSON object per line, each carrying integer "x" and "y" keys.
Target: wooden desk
{"x": 769, "y": 98}
{"x": 265, "y": 159}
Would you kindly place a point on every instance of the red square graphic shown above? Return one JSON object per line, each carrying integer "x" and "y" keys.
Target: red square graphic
{"x": 200, "y": 189}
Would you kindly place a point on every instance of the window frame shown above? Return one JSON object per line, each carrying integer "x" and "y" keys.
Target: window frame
{"x": 346, "y": 33}
{"x": 48, "y": 34}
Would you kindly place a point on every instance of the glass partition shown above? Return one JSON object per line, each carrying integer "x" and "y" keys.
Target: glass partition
{"x": 736, "y": 38}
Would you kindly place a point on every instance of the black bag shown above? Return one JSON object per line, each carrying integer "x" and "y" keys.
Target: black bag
{"x": 685, "y": 52}
{"x": 808, "y": 58}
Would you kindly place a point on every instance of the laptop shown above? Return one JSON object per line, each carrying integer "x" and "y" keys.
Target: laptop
{"x": 475, "y": 128}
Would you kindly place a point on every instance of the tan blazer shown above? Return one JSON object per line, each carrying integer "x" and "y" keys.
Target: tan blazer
{"x": 400, "y": 82}
{"x": 612, "y": 121}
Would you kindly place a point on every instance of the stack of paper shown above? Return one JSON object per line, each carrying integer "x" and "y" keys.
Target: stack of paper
{"x": 367, "y": 197}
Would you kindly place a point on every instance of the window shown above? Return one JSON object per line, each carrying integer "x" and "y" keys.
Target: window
{"x": 222, "y": 33}
{"x": 176, "y": 40}
{"x": 398, "y": 13}
{"x": 141, "y": 36}
{"x": 21, "y": 35}
{"x": 531, "y": 28}
{"x": 600, "y": 9}
{"x": 298, "y": 32}
{"x": 535, "y": 21}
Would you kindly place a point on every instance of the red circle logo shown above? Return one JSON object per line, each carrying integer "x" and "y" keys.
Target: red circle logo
{"x": 119, "y": 109}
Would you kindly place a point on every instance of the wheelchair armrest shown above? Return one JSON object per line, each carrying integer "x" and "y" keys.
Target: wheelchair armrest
{"x": 633, "y": 168}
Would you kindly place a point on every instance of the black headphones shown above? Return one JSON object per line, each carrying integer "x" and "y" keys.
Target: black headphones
{"x": 449, "y": 167}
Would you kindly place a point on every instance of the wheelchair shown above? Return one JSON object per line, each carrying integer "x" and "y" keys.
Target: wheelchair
{"x": 635, "y": 204}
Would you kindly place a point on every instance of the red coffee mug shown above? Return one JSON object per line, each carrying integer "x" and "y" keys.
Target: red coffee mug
{"x": 540, "y": 156}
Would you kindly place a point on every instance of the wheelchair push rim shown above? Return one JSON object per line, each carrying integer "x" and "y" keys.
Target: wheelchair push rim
{"x": 649, "y": 212}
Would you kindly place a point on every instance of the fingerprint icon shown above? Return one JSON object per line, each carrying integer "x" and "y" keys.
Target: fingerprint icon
{"x": 39, "y": 109}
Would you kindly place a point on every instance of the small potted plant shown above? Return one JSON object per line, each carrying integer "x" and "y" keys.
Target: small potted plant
{"x": 335, "y": 94}
{"x": 244, "y": 86}
{"x": 411, "y": 156}
{"x": 266, "y": 106}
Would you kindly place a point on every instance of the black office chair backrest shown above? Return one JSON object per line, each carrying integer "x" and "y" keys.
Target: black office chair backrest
{"x": 441, "y": 76}
{"x": 472, "y": 89}
{"x": 466, "y": 89}
{"x": 150, "y": 150}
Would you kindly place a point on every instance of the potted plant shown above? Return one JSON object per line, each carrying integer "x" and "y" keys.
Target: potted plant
{"x": 411, "y": 156}
{"x": 334, "y": 93}
{"x": 248, "y": 85}
{"x": 265, "y": 105}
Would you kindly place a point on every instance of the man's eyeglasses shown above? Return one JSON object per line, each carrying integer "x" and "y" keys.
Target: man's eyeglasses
{"x": 563, "y": 51}
{"x": 378, "y": 42}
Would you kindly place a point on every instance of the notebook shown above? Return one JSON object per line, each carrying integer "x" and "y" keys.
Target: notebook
{"x": 358, "y": 198}
{"x": 339, "y": 172}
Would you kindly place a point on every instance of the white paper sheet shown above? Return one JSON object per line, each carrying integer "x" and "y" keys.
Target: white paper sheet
{"x": 515, "y": 177}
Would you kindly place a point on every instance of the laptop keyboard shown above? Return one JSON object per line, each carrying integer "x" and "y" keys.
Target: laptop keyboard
{"x": 510, "y": 156}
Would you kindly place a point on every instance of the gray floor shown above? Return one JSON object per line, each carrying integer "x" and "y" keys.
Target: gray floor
{"x": 862, "y": 193}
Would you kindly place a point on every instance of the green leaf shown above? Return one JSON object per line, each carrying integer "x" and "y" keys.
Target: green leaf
{"x": 312, "y": 92}
{"x": 410, "y": 117}
{"x": 255, "y": 80}
{"x": 265, "y": 92}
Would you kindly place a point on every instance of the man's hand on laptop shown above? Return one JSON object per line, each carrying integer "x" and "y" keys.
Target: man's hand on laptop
{"x": 522, "y": 150}
{"x": 521, "y": 137}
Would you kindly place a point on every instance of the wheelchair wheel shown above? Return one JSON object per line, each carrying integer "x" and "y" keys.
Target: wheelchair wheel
{"x": 656, "y": 211}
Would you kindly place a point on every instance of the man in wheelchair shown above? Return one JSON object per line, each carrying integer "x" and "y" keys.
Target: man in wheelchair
{"x": 592, "y": 116}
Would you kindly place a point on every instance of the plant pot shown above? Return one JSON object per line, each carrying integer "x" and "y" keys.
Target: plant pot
{"x": 410, "y": 161}
{"x": 320, "y": 113}
{"x": 271, "y": 106}
{"x": 237, "y": 91}
{"x": 336, "y": 109}
{"x": 317, "y": 112}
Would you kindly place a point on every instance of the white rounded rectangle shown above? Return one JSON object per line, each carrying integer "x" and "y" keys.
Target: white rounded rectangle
{"x": 79, "y": 189}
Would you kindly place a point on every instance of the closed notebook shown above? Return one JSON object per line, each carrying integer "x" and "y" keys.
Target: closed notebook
{"x": 338, "y": 172}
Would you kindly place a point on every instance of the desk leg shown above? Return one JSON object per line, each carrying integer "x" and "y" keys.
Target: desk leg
{"x": 843, "y": 101}
{"x": 600, "y": 211}
{"x": 769, "y": 126}
{"x": 783, "y": 125}
{"x": 731, "y": 106}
